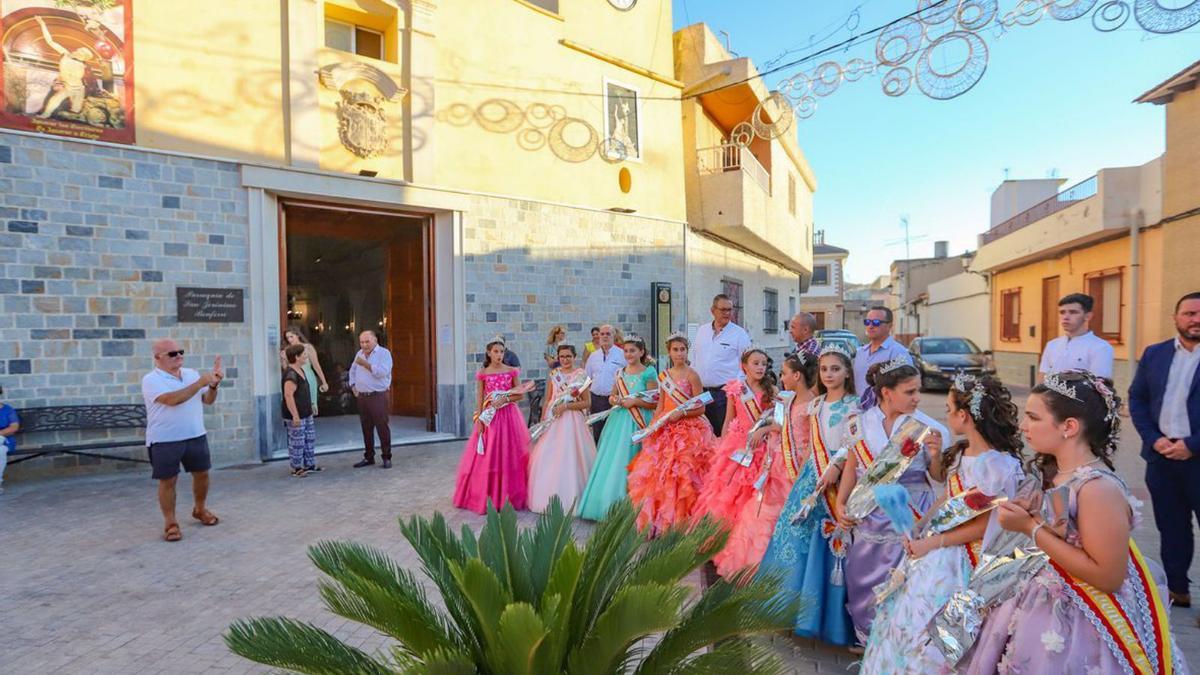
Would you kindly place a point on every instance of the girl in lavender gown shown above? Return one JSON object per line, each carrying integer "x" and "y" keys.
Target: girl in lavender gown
{"x": 562, "y": 457}
{"x": 1098, "y": 606}
{"x": 988, "y": 462}
{"x": 876, "y": 548}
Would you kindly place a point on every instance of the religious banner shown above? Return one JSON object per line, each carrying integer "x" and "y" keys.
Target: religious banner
{"x": 67, "y": 68}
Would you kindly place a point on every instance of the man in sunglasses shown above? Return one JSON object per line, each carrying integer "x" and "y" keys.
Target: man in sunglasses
{"x": 881, "y": 347}
{"x": 175, "y": 398}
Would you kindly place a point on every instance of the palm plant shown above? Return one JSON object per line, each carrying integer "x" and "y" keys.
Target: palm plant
{"x": 531, "y": 603}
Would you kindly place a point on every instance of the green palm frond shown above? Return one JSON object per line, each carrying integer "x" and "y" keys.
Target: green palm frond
{"x": 728, "y": 609}
{"x": 498, "y": 548}
{"x": 486, "y": 596}
{"x": 442, "y": 662}
{"x": 607, "y": 558}
{"x": 678, "y": 552}
{"x": 519, "y": 639}
{"x": 541, "y": 545}
{"x": 741, "y": 656}
{"x": 634, "y": 613}
{"x": 437, "y": 547}
{"x": 368, "y": 587}
{"x": 286, "y": 643}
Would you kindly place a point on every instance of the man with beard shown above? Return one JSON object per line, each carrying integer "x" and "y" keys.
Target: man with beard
{"x": 1164, "y": 403}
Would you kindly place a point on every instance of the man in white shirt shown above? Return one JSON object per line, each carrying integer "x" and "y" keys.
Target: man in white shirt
{"x": 717, "y": 357}
{"x": 1078, "y": 348}
{"x": 602, "y": 366}
{"x": 371, "y": 382}
{"x": 175, "y": 398}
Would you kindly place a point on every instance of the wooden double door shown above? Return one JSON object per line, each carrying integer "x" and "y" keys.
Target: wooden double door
{"x": 345, "y": 270}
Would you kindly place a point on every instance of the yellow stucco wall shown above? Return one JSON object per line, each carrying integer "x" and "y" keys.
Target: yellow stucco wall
{"x": 1071, "y": 269}
{"x": 208, "y": 77}
{"x": 515, "y": 64}
{"x": 1181, "y": 168}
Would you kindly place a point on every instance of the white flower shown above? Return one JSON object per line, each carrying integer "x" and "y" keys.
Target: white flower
{"x": 1053, "y": 642}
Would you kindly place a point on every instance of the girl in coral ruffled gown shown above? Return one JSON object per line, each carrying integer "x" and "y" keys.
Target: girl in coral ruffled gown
{"x": 562, "y": 457}
{"x": 665, "y": 477}
{"x": 496, "y": 469}
{"x": 786, "y": 450}
{"x": 606, "y": 484}
{"x": 729, "y": 484}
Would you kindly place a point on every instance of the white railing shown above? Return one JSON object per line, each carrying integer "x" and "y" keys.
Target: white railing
{"x": 732, "y": 157}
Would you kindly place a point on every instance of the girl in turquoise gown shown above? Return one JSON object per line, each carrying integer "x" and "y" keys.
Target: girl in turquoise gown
{"x": 616, "y": 449}
{"x": 806, "y": 553}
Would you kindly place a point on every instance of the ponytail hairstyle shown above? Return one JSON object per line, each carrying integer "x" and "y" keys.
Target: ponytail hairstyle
{"x": 638, "y": 342}
{"x": 1088, "y": 398}
{"x": 889, "y": 375}
{"x": 487, "y": 358}
{"x": 805, "y": 364}
{"x": 769, "y": 384}
{"x": 992, "y": 411}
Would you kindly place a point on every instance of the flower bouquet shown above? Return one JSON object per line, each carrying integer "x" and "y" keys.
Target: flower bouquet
{"x": 691, "y": 404}
{"x": 888, "y": 466}
{"x": 955, "y": 511}
{"x": 570, "y": 395}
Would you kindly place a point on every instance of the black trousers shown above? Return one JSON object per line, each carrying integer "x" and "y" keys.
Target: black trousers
{"x": 715, "y": 411}
{"x": 373, "y": 415}
{"x": 1175, "y": 494}
{"x": 599, "y": 404}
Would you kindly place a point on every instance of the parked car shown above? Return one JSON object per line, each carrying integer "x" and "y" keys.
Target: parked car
{"x": 844, "y": 337}
{"x": 940, "y": 358}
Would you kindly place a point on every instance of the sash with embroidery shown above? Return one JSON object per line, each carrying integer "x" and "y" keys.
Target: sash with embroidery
{"x": 955, "y": 486}
{"x": 675, "y": 395}
{"x": 1143, "y": 654}
{"x": 750, "y": 402}
{"x": 623, "y": 392}
{"x": 792, "y": 446}
{"x": 745, "y": 456}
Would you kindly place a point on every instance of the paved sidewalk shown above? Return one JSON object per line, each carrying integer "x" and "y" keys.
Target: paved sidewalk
{"x": 90, "y": 587}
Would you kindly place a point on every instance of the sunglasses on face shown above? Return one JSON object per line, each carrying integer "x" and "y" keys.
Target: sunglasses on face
{"x": 171, "y": 355}
{"x": 874, "y": 322}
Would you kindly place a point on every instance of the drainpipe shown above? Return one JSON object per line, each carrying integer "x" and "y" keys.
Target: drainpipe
{"x": 1135, "y": 270}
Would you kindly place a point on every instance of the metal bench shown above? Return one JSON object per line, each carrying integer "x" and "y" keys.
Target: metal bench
{"x": 80, "y": 418}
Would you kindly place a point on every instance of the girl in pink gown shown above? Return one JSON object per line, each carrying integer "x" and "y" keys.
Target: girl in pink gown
{"x": 495, "y": 470}
{"x": 728, "y": 485}
{"x": 665, "y": 477}
{"x": 563, "y": 456}
{"x": 754, "y": 523}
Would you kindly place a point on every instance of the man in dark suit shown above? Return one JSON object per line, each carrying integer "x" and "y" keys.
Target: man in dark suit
{"x": 1164, "y": 402}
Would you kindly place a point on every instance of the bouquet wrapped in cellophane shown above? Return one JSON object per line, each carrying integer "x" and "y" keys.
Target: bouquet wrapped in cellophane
{"x": 888, "y": 466}
{"x": 649, "y": 396}
{"x": 954, "y": 511}
{"x": 492, "y": 404}
{"x": 1008, "y": 562}
{"x": 570, "y": 394}
{"x": 691, "y": 404}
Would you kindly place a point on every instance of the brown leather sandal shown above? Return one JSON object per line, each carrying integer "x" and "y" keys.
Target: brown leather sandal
{"x": 172, "y": 532}
{"x": 206, "y": 517}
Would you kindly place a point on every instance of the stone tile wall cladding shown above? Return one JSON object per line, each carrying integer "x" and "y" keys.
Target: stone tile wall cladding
{"x": 530, "y": 266}
{"x": 93, "y": 241}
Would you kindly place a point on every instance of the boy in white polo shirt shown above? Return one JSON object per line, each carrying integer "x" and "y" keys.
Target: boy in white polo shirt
{"x": 175, "y": 398}
{"x": 1078, "y": 348}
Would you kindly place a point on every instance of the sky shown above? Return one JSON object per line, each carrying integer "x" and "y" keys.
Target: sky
{"x": 1056, "y": 97}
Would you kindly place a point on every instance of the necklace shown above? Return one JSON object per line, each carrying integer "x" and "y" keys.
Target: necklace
{"x": 1067, "y": 473}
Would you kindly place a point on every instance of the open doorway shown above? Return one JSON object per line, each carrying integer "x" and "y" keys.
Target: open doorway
{"x": 348, "y": 270}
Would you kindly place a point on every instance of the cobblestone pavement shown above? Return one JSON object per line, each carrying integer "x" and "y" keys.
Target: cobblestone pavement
{"x": 90, "y": 587}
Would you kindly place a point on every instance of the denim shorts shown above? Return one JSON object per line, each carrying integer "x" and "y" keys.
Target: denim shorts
{"x": 165, "y": 458}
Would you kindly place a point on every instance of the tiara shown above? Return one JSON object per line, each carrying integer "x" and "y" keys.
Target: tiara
{"x": 801, "y": 356}
{"x": 898, "y": 362}
{"x": 1059, "y": 386}
{"x": 634, "y": 337}
{"x": 835, "y": 348}
{"x": 497, "y": 339}
{"x": 677, "y": 336}
{"x": 969, "y": 384}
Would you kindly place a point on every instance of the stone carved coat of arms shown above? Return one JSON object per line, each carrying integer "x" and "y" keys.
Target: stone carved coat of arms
{"x": 362, "y": 117}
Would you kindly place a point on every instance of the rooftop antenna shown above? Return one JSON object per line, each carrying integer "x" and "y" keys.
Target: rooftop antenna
{"x": 1006, "y": 173}
{"x": 907, "y": 239}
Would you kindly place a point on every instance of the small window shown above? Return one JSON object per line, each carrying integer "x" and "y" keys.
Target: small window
{"x": 791, "y": 194}
{"x": 770, "y": 310}
{"x": 791, "y": 306}
{"x": 733, "y": 289}
{"x": 354, "y": 39}
{"x": 820, "y": 275}
{"x": 1105, "y": 289}
{"x": 1010, "y": 315}
{"x": 820, "y": 317}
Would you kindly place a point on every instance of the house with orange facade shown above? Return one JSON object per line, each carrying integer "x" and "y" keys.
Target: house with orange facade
{"x": 1127, "y": 236}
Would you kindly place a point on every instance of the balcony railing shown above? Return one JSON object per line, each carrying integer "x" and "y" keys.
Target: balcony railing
{"x": 1072, "y": 195}
{"x": 732, "y": 157}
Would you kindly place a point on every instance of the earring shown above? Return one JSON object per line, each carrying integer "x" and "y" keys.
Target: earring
{"x": 1064, "y": 435}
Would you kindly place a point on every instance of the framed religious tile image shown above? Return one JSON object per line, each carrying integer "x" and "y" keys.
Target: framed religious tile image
{"x": 622, "y": 121}
{"x": 67, "y": 68}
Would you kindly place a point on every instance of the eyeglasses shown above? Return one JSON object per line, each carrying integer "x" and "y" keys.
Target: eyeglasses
{"x": 171, "y": 355}
{"x": 874, "y": 322}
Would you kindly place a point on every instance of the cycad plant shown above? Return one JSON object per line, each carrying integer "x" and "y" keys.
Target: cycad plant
{"x": 533, "y": 602}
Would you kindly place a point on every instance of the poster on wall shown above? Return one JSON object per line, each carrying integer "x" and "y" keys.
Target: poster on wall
{"x": 622, "y": 121}
{"x": 67, "y": 68}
